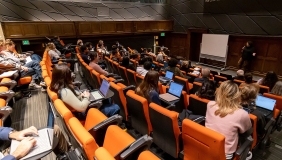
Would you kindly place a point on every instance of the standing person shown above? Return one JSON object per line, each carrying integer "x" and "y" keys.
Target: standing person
{"x": 226, "y": 116}
{"x": 248, "y": 52}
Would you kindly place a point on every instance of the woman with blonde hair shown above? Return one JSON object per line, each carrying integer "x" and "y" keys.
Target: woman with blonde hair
{"x": 52, "y": 51}
{"x": 226, "y": 116}
{"x": 277, "y": 89}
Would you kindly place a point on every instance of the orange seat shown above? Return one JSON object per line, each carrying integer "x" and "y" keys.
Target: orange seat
{"x": 138, "y": 110}
{"x": 219, "y": 78}
{"x": 147, "y": 155}
{"x": 131, "y": 77}
{"x": 3, "y": 88}
{"x": 123, "y": 74}
{"x": 53, "y": 95}
{"x": 196, "y": 86}
{"x": 238, "y": 82}
{"x": 254, "y": 121}
{"x": 119, "y": 99}
{"x": 200, "y": 142}
{"x": 102, "y": 154}
{"x": 263, "y": 89}
{"x": 165, "y": 129}
{"x": 2, "y": 102}
{"x": 187, "y": 86}
{"x": 278, "y": 106}
{"x": 198, "y": 105}
{"x": 24, "y": 80}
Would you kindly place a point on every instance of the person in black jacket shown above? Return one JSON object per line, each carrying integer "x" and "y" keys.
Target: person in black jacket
{"x": 248, "y": 53}
{"x": 84, "y": 54}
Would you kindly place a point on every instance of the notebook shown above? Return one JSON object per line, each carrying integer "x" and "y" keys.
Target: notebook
{"x": 173, "y": 94}
{"x": 7, "y": 74}
{"x": 168, "y": 76}
{"x": 101, "y": 93}
{"x": 43, "y": 145}
{"x": 28, "y": 59}
{"x": 265, "y": 105}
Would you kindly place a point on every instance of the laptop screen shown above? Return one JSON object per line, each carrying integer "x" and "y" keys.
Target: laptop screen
{"x": 264, "y": 102}
{"x": 175, "y": 89}
{"x": 168, "y": 74}
{"x": 104, "y": 87}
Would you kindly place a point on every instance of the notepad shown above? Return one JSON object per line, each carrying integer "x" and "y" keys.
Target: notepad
{"x": 43, "y": 144}
{"x": 7, "y": 74}
{"x": 28, "y": 59}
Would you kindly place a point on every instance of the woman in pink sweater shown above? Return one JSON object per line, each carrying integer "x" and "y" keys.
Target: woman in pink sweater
{"x": 226, "y": 116}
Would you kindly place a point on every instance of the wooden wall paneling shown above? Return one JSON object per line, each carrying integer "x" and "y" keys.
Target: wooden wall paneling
{"x": 96, "y": 27}
{"x": 43, "y": 29}
{"x": 165, "y": 25}
{"x": 29, "y": 30}
{"x": 13, "y": 30}
{"x": 128, "y": 27}
{"x": 108, "y": 27}
{"x": 68, "y": 29}
{"x": 140, "y": 26}
{"x": 85, "y": 28}
{"x": 119, "y": 27}
{"x": 55, "y": 29}
{"x": 153, "y": 26}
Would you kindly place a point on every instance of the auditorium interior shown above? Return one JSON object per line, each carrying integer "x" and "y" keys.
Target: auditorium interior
{"x": 188, "y": 31}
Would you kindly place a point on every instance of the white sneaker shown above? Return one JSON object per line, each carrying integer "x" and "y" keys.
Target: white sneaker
{"x": 43, "y": 84}
{"x": 249, "y": 156}
{"x": 34, "y": 86}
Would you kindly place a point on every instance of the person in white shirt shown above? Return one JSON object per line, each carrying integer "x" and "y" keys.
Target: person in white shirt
{"x": 52, "y": 51}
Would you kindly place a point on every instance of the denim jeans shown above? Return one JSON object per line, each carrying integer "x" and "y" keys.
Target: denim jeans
{"x": 34, "y": 70}
{"x": 36, "y": 57}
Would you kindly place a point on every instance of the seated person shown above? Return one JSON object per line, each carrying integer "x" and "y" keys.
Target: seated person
{"x": 10, "y": 62}
{"x": 84, "y": 54}
{"x": 249, "y": 81}
{"x": 79, "y": 42}
{"x": 269, "y": 80}
{"x": 205, "y": 76}
{"x": 27, "y": 143}
{"x": 76, "y": 101}
{"x": 226, "y": 116}
{"x": 59, "y": 46}
{"x": 127, "y": 64}
{"x": 160, "y": 57}
{"x": 150, "y": 52}
{"x": 248, "y": 101}
{"x": 207, "y": 90}
{"x": 94, "y": 58}
{"x": 149, "y": 88}
{"x": 277, "y": 89}
{"x": 185, "y": 66}
{"x": 172, "y": 67}
{"x": 89, "y": 46}
{"x": 142, "y": 70}
{"x": 240, "y": 75}
{"x": 115, "y": 56}
{"x": 135, "y": 56}
{"x": 52, "y": 51}
{"x": 101, "y": 48}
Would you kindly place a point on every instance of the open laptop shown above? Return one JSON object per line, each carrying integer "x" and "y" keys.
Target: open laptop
{"x": 173, "y": 94}
{"x": 265, "y": 105}
{"x": 168, "y": 76}
{"x": 101, "y": 93}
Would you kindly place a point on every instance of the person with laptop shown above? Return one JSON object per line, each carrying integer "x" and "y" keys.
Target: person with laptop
{"x": 173, "y": 68}
{"x": 28, "y": 142}
{"x": 149, "y": 88}
{"x": 226, "y": 116}
{"x": 248, "y": 101}
{"x": 76, "y": 100}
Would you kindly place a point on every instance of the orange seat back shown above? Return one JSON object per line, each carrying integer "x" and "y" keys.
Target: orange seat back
{"x": 200, "y": 142}
{"x": 131, "y": 77}
{"x": 278, "y": 105}
{"x": 147, "y": 155}
{"x": 165, "y": 129}
{"x": 121, "y": 140}
{"x": 139, "y": 112}
{"x": 263, "y": 89}
{"x": 102, "y": 154}
{"x": 254, "y": 121}
{"x": 184, "y": 82}
{"x": 198, "y": 105}
{"x": 119, "y": 99}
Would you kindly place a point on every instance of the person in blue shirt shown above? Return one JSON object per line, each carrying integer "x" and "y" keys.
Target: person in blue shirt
{"x": 149, "y": 87}
{"x": 27, "y": 142}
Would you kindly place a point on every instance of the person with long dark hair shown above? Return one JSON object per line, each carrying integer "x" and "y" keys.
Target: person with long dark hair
{"x": 76, "y": 100}
{"x": 248, "y": 52}
{"x": 207, "y": 90}
{"x": 269, "y": 80}
{"x": 149, "y": 87}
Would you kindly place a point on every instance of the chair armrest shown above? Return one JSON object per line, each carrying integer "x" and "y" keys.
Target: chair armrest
{"x": 181, "y": 155}
{"x": 11, "y": 84}
{"x": 200, "y": 120}
{"x": 267, "y": 129}
{"x": 139, "y": 145}
{"x": 113, "y": 119}
{"x": 170, "y": 107}
{"x": 244, "y": 147}
{"x": 109, "y": 75}
{"x": 117, "y": 77}
{"x": 118, "y": 81}
{"x": 8, "y": 95}
{"x": 270, "y": 123}
{"x": 5, "y": 112}
{"x": 131, "y": 87}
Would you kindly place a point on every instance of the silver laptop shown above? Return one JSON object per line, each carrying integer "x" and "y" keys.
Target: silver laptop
{"x": 168, "y": 76}
{"x": 265, "y": 105}
{"x": 173, "y": 93}
{"x": 101, "y": 93}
